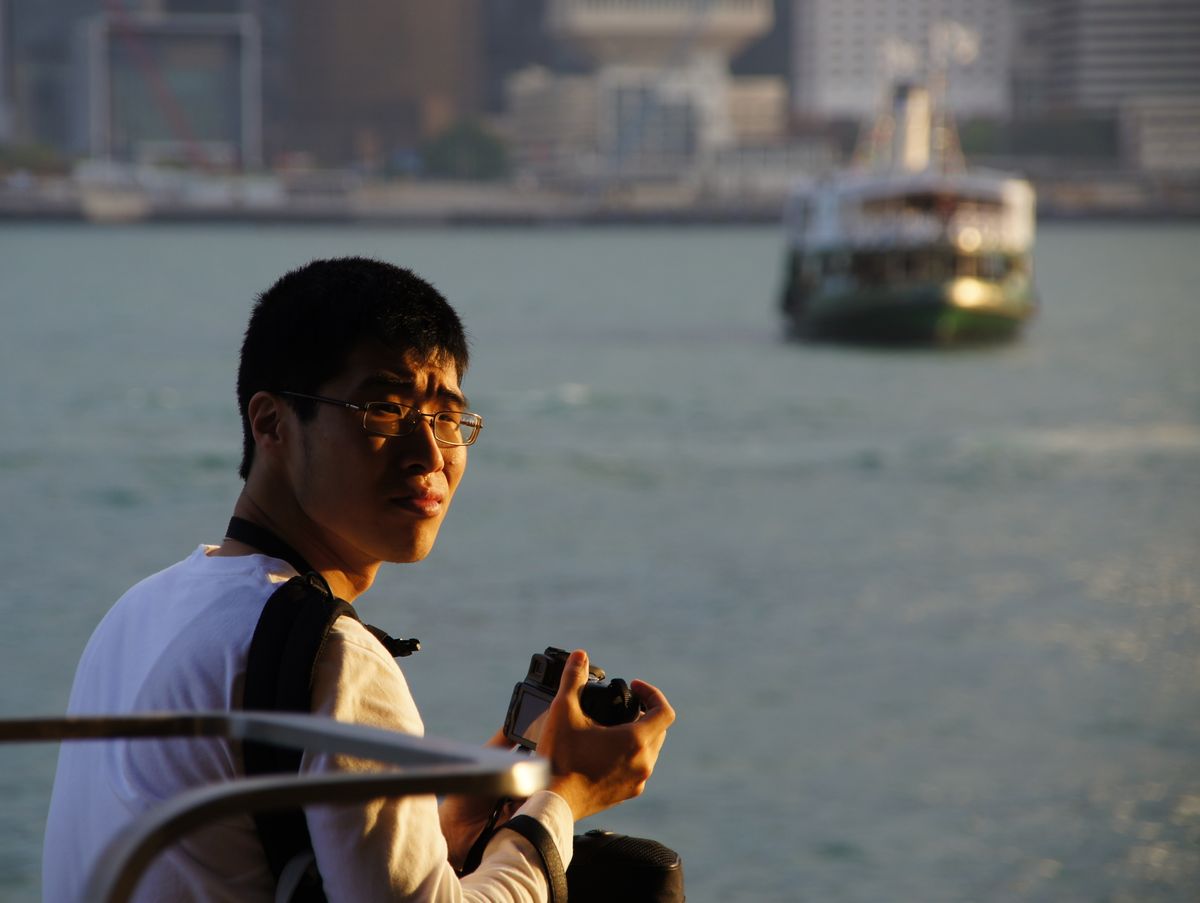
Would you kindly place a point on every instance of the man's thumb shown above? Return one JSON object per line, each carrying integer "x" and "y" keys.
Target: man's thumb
{"x": 575, "y": 671}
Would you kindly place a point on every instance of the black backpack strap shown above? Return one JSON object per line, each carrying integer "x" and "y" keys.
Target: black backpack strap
{"x": 291, "y": 632}
{"x": 280, "y": 669}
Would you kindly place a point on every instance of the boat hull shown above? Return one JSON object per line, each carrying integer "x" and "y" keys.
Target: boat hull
{"x": 954, "y": 312}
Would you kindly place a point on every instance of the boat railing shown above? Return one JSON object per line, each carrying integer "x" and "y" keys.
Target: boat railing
{"x": 414, "y": 765}
{"x": 972, "y": 229}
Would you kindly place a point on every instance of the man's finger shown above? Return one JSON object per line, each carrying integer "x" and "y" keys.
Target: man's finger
{"x": 658, "y": 710}
{"x": 498, "y": 739}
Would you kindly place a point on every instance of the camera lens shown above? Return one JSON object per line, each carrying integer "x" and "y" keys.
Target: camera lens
{"x": 609, "y": 703}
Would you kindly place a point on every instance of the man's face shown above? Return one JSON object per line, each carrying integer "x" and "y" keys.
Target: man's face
{"x": 372, "y": 498}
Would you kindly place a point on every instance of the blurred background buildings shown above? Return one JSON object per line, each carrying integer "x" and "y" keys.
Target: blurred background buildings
{"x": 719, "y": 100}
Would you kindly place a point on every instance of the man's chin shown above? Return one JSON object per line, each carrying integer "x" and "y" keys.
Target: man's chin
{"x": 408, "y": 553}
{"x": 406, "y": 541}
{"x": 406, "y": 558}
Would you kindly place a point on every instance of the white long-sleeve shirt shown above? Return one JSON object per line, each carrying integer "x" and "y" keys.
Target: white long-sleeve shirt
{"x": 179, "y": 641}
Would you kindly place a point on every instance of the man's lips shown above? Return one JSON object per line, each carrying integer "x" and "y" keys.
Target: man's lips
{"x": 425, "y": 502}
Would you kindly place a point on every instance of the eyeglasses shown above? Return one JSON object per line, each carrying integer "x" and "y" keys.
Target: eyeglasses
{"x": 387, "y": 418}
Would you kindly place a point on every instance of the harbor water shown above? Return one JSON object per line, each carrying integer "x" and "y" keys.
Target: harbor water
{"x": 930, "y": 619}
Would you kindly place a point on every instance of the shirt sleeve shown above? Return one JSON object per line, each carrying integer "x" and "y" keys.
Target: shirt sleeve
{"x": 393, "y": 849}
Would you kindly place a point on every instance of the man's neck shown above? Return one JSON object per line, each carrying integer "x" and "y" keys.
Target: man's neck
{"x": 347, "y": 582}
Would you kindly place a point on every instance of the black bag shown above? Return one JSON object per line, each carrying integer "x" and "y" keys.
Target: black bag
{"x": 607, "y": 867}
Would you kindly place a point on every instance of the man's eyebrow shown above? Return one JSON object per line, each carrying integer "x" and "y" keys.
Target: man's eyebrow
{"x": 403, "y": 385}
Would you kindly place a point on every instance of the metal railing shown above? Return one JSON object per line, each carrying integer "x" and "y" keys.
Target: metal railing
{"x": 423, "y": 765}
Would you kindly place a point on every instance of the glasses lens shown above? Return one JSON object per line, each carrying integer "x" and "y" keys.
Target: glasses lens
{"x": 386, "y": 419}
{"x": 456, "y": 427}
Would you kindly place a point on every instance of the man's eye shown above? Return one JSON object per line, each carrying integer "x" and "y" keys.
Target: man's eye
{"x": 383, "y": 412}
{"x": 394, "y": 408}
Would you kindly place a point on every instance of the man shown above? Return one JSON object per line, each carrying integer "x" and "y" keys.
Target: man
{"x": 355, "y": 441}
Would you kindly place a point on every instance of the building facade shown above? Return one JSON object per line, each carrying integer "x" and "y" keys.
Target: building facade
{"x": 1101, "y": 53}
{"x": 1135, "y": 63}
{"x": 660, "y": 102}
{"x": 369, "y": 79}
{"x": 179, "y": 88}
{"x": 847, "y": 53}
{"x": 352, "y": 82}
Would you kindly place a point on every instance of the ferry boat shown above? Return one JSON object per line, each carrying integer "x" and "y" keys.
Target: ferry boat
{"x": 909, "y": 245}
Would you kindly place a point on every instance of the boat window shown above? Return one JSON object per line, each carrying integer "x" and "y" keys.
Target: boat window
{"x": 993, "y": 266}
{"x": 837, "y": 263}
{"x": 870, "y": 267}
{"x": 883, "y": 206}
{"x": 941, "y": 202}
{"x": 940, "y": 265}
{"x": 927, "y": 202}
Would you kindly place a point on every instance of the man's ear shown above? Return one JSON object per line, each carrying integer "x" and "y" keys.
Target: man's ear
{"x": 266, "y": 415}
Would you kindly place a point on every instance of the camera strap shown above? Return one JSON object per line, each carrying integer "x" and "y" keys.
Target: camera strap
{"x": 535, "y": 832}
{"x": 537, "y": 835}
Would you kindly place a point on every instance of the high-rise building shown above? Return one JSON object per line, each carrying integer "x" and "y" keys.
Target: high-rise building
{"x": 170, "y": 87}
{"x": 42, "y": 65}
{"x": 1132, "y": 63}
{"x": 7, "y": 106}
{"x": 847, "y": 53}
{"x": 515, "y": 37}
{"x": 1031, "y": 58}
{"x": 1101, "y": 53}
{"x": 368, "y": 79}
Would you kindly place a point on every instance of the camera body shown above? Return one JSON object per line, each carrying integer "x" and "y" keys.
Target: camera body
{"x": 607, "y": 702}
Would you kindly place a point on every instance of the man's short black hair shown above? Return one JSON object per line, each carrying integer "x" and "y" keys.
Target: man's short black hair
{"x": 305, "y": 326}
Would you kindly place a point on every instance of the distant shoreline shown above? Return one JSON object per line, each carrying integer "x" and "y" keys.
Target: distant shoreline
{"x": 423, "y": 204}
{"x": 28, "y": 210}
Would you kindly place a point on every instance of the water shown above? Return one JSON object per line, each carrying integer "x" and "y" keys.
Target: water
{"x": 930, "y": 619}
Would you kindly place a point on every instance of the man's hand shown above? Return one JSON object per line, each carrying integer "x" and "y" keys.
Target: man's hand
{"x": 464, "y": 817}
{"x": 596, "y": 767}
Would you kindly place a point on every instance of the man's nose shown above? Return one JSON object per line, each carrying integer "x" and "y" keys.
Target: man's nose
{"x": 419, "y": 449}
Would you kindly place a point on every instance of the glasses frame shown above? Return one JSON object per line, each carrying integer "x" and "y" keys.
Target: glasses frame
{"x": 412, "y": 417}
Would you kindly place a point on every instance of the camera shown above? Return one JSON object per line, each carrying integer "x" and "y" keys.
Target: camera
{"x": 606, "y": 702}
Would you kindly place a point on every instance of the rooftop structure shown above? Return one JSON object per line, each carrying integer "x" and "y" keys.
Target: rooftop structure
{"x": 651, "y": 32}
{"x": 661, "y": 100}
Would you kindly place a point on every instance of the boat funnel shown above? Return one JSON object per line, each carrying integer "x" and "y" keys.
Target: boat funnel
{"x": 912, "y": 115}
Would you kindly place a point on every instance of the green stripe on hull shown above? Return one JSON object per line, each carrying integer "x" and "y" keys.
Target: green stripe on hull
{"x": 936, "y": 314}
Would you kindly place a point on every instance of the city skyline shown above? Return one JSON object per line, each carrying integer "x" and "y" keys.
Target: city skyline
{"x": 731, "y": 100}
